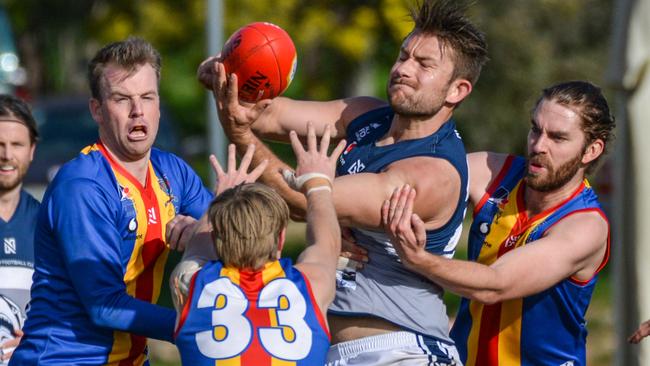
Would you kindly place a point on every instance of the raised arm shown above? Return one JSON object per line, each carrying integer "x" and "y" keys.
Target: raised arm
{"x": 373, "y": 187}
{"x": 313, "y": 177}
{"x": 573, "y": 248}
{"x": 274, "y": 119}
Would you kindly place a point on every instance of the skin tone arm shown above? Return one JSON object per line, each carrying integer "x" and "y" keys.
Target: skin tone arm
{"x": 318, "y": 261}
{"x": 524, "y": 271}
{"x": 274, "y": 119}
{"x": 374, "y": 188}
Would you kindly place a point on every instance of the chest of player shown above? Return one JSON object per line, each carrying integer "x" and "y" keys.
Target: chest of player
{"x": 17, "y": 240}
{"x": 143, "y": 215}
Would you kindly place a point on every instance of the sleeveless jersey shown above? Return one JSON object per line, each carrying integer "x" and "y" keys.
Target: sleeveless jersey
{"x": 384, "y": 288}
{"x": 16, "y": 265}
{"x": 100, "y": 257}
{"x": 547, "y": 328}
{"x": 262, "y": 318}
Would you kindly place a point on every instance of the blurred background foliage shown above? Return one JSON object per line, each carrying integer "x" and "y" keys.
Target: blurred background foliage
{"x": 345, "y": 47}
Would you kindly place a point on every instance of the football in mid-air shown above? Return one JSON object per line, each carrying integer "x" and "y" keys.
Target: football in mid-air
{"x": 264, "y": 58}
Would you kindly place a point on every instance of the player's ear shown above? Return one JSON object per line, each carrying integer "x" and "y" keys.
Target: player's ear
{"x": 95, "y": 109}
{"x": 282, "y": 236}
{"x": 593, "y": 151}
{"x": 458, "y": 90}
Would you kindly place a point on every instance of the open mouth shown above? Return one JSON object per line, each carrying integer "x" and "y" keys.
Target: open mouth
{"x": 138, "y": 133}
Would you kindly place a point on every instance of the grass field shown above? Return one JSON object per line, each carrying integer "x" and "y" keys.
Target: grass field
{"x": 600, "y": 342}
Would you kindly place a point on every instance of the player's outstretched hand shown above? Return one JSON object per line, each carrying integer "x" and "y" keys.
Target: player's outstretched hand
{"x": 236, "y": 117}
{"x": 313, "y": 164}
{"x": 404, "y": 227}
{"x": 234, "y": 176}
{"x": 639, "y": 334}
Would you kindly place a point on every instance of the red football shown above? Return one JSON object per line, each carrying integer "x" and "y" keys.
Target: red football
{"x": 264, "y": 58}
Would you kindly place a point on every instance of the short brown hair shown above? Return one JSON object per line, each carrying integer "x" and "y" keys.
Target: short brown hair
{"x": 246, "y": 223}
{"x": 17, "y": 109}
{"x": 129, "y": 54}
{"x": 447, "y": 21}
{"x": 588, "y": 101}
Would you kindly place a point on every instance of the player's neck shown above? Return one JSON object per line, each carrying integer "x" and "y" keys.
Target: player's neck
{"x": 538, "y": 202}
{"x": 9, "y": 201}
{"x": 137, "y": 168}
{"x": 415, "y": 127}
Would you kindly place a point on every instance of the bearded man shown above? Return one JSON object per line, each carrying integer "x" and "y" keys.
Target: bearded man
{"x": 538, "y": 240}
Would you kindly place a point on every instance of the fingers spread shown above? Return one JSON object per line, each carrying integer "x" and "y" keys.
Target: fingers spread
{"x": 295, "y": 143}
{"x": 338, "y": 150}
{"x": 216, "y": 166}
{"x": 311, "y": 137}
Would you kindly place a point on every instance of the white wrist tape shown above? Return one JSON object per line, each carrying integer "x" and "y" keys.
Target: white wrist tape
{"x": 297, "y": 182}
{"x": 319, "y": 188}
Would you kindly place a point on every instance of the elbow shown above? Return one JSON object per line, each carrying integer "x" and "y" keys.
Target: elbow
{"x": 488, "y": 297}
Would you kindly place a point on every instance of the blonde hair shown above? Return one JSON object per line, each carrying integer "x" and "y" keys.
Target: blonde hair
{"x": 246, "y": 223}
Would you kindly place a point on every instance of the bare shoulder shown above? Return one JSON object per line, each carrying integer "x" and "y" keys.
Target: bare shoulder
{"x": 582, "y": 238}
{"x": 589, "y": 226}
{"x": 355, "y": 106}
{"x": 423, "y": 171}
{"x": 484, "y": 167}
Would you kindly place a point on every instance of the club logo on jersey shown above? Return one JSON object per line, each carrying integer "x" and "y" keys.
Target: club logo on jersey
{"x": 457, "y": 134}
{"x": 357, "y": 167}
{"x": 364, "y": 131}
{"x": 10, "y": 245}
{"x": 125, "y": 193}
{"x": 172, "y": 202}
{"x": 500, "y": 197}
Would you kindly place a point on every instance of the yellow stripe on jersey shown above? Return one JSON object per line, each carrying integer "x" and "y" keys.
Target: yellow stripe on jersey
{"x": 235, "y": 361}
{"x": 232, "y": 273}
{"x": 122, "y": 340}
{"x": 506, "y": 229}
{"x": 279, "y": 362}
{"x": 167, "y": 213}
{"x": 511, "y": 314}
{"x": 476, "y": 311}
{"x": 500, "y": 229}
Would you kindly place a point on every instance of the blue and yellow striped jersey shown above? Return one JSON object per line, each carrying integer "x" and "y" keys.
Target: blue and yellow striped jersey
{"x": 100, "y": 257}
{"x": 547, "y": 328}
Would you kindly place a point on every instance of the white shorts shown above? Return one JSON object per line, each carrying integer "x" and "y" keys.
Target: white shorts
{"x": 396, "y": 348}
